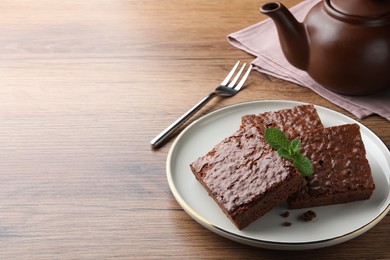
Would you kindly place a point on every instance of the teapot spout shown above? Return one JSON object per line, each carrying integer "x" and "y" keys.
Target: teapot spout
{"x": 292, "y": 34}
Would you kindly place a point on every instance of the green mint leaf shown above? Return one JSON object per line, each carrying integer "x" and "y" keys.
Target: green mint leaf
{"x": 295, "y": 146}
{"x": 289, "y": 150}
{"x": 276, "y": 138}
{"x": 285, "y": 154}
{"x": 303, "y": 164}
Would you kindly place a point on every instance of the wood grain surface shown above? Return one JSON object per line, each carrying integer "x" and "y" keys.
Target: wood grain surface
{"x": 84, "y": 87}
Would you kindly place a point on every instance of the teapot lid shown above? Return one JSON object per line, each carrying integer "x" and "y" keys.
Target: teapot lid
{"x": 362, "y": 8}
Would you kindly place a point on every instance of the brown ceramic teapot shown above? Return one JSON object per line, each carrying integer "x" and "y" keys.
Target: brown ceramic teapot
{"x": 343, "y": 45}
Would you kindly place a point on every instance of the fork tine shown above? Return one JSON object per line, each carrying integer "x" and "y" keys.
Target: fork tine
{"x": 233, "y": 82}
{"x": 238, "y": 87}
{"x": 226, "y": 80}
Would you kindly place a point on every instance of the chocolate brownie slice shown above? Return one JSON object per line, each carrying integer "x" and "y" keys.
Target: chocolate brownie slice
{"x": 342, "y": 172}
{"x": 246, "y": 177}
{"x": 292, "y": 121}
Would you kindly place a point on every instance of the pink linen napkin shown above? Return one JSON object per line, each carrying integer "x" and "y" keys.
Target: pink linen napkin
{"x": 261, "y": 40}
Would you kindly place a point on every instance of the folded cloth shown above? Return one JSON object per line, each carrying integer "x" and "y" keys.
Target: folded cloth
{"x": 261, "y": 40}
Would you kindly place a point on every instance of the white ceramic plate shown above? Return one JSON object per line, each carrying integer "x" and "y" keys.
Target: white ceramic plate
{"x": 333, "y": 224}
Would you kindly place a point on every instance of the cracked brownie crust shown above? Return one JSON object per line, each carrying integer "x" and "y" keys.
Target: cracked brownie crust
{"x": 342, "y": 173}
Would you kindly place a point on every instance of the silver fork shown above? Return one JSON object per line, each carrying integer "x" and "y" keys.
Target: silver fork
{"x": 223, "y": 90}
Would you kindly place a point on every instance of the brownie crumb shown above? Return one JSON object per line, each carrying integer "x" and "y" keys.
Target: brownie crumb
{"x": 309, "y": 215}
{"x": 285, "y": 214}
{"x": 286, "y": 224}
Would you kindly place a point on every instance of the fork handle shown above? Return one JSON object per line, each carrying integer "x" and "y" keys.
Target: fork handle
{"x": 164, "y": 135}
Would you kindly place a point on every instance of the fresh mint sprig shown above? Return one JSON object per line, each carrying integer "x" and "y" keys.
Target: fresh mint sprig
{"x": 290, "y": 150}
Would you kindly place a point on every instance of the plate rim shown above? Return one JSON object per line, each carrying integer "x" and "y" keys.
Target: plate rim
{"x": 259, "y": 242}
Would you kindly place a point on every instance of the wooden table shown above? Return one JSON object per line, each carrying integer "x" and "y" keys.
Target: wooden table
{"x": 85, "y": 85}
